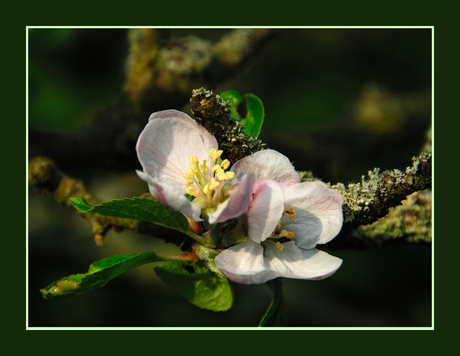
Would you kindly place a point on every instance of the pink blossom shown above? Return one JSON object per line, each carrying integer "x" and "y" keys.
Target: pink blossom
{"x": 286, "y": 220}
{"x": 180, "y": 157}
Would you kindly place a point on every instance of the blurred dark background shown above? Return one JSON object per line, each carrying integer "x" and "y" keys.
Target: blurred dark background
{"x": 338, "y": 102}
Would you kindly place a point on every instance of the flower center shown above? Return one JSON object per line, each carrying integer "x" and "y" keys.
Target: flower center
{"x": 205, "y": 184}
{"x": 280, "y": 235}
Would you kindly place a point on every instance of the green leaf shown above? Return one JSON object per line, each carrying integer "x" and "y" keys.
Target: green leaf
{"x": 197, "y": 284}
{"x": 276, "y": 314}
{"x": 137, "y": 208}
{"x": 234, "y": 99}
{"x": 80, "y": 204}
{"x": 99, "y": 273}
{"x": 255, "y": 115}
{"x": 254, "y": 119}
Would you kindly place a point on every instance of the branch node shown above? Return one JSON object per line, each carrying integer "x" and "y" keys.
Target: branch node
{"x": 213, "y": 113}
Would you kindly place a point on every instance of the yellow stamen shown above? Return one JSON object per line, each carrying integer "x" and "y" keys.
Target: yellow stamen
{"x": 225, "y": 164}
{"x": 192, "y": 191}
{"x": 222, "y": 176}
{"x": 290, "y": 235}
{"x": 213, "y": 184}
{"x": 216, "y": 155}
{"x": 208, "y": 185}
{"x": 283, "y": 233}
{"x": 290, "y": 211}
{"x": 279, "y": 246}
{"x": 193, "y": 159}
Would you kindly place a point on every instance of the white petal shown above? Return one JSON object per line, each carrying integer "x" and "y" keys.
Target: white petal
{"x": 245, "y": 263}
{"x": 165, "y": 145}
{"x": 238, "y": 202}
{"x": 293, "y": 262}
{"x": 268, "y": 164}
{"x": 319, "y": 215}
{"x": 265, "y": 210}
{"x": 177, "y": 115}
{"x": 171, "y": 197}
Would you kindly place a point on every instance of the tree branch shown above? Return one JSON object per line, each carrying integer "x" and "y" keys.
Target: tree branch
{"x": 364, "y": 203}
{"x": 367, "y": 202}
{"x": 161, "y": 73}
{"x": 213, "y": 113}
{"x": 370, "y": 200}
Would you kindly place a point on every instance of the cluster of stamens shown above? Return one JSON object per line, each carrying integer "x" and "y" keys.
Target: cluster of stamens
{"x": 200, "y": 183}
{"x": 283, "y": 233}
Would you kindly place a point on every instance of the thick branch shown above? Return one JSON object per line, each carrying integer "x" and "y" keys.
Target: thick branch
{"x": 370, "y": 200}
{"x": 409, "y": 222}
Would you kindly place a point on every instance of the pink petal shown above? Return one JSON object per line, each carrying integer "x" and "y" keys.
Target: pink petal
{"x": 171, "y": 197}
{"x": 268, "y": 164}
{"x": 165, "y": 145}
{"x": 319, "y": 215}
{"x": 293, "y": 262}
{"x": 265, "y": 210}
{"x": 238, "y": 202}
{"x": 245, "y": 263}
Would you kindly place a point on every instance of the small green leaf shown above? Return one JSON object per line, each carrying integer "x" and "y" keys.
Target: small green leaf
{"x": 254, "y": 119}
{"x": 99, "y": 273}
{"x": 255, "y": 116}
{"x": 234, "y": 99}
{"x": 197, "y": 284}
{"x": 80, "y": 204}
{"x": 276, "y": 314}
{"x": 143, "y": 209}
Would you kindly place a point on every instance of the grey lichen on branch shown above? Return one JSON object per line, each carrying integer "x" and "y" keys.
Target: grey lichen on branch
{"x": 409, "y": 222}
{"x": 370, "y": 200}
{"x": 372, "y": 209}
{"x": 213, "y": 113}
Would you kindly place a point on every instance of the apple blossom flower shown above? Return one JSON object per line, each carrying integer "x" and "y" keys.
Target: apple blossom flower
{"x": 180, "y": 157}
{"x": 286, "y": 220}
